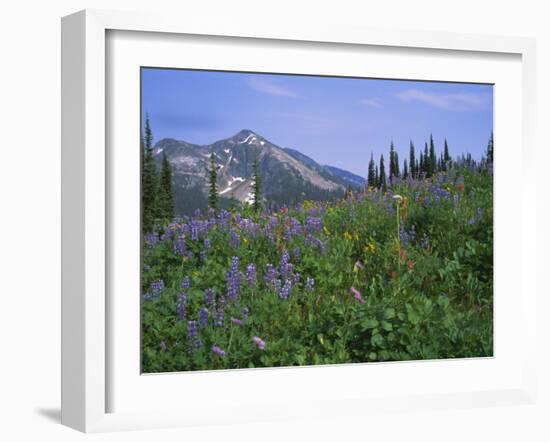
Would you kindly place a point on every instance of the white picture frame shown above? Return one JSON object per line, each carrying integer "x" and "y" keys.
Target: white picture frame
{"x": 85, "y": 234}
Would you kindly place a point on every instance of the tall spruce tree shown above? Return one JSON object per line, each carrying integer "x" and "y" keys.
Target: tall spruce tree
{"x": 426, "y": 162}
{"x": 376, "y": 177}
{"x": 149, "y": 182}
{"x": 412, "y": 161}
{"x": 257, "y": 186}
{"x": 213, "y": 182}
{"x": 405, "y": 169}
{"x": 490, "y": 147}
{"x": 371, "y": 174}
{"x": 396, "y": 164}
{"x": 382, "y": 172}
{"x": 165, "y": 195}
{"x": 433, "y": 160}
{"x": 446, "y": 156}
{"x": 392, "y": 172}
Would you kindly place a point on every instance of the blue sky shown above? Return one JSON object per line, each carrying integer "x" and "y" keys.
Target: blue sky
{"x": 336, "y": 121}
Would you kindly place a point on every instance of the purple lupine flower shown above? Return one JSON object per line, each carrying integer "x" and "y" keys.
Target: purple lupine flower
{"x": 412, "y": 233}
{"x": 181, "y": 306}
{"x": 283, "y": 266}
{"x": 313, "y": 224}
{"x": 287, "y": 235}
{"x": 233, "y": 279}
{"x": 203, "y": 317}
{"x": 237, "y": 321}
{"x": 156, "y": 288}
{"x": 479, "y": 213}
{"x": 471, "y": 221}
{"x": 193, "y": 335}
{"x": 455, "y": 200}
{"x": 185, "y": 283}
{"x": 194, "y": 230}
{"x": 259, "y": 342}
{"x": 207, "y": 244}
{"x": 296, "y": 278}
{"x": 277, "y": 285}
{"x": 209, "y": 297}
{"x": 251, "y": 274}
{"x": 179, "y": 246}
{"x": 217, "y": 350}
{"x": 310, "y": 283}
{"x": 297, "y": 253}
{"x": 284, "y": 293}
{"x": 234, "y": 239}
{"x": 151, "y": 239}
{"x": 219, "y": 318}
{"x": 197, "y": 213}
{"x": 321, "y": 247}
{"x": 357, "y": 295}
{"x": 270, "y": 273}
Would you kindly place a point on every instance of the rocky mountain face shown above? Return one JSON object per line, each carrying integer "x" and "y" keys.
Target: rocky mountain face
{"x": 288, "y": 175}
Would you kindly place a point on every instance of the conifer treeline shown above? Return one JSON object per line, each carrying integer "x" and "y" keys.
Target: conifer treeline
{"x": 157, "y": 192}
{"x": 426, "y": 165}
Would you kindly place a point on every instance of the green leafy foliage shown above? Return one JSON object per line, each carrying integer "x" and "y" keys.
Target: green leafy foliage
{"x": 427, "y": 294}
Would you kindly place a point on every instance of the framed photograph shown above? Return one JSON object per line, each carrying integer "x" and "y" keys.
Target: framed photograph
{"x": 278, "y": 223}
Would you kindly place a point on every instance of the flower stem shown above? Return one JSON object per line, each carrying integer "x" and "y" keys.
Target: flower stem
{"x": 398, "y": 245}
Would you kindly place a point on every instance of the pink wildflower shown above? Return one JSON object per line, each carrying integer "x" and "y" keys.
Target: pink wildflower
{"x": 259, "y": 342}
{"x": 357, "y": 295}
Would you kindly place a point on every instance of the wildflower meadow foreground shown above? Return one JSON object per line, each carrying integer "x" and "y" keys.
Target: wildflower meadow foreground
{"x": 401, "y": 274}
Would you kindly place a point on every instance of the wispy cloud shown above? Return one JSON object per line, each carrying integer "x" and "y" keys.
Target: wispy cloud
{"x": 371, "y": 102}
{"x": 271, "y": 87}
{"x": 453, "y": 102}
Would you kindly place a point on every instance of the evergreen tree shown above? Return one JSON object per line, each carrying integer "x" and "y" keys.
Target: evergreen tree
{"x": 490, "y": 149}
{"x": 149, "y": 182}
{"x": 392, "y": 162}
{"x": 412, "y": 161}
{"x": 213, "y": 182}
{"x": 257, "y": 187}
{"x": 376, "y": 177}
{"x": 382, "y": 172}
{"x": 426, "y": 162}
{"x": 165, "y": 194}
{"x": 405, "y": 169}
{"x": 426, "y": 169}
{"x": 421, "y": 166}
{"x": 396, "y": 164}
{"x": 371, "y": 175}
{"x": 433, "y": 160}
{"x": 446, "y": 156}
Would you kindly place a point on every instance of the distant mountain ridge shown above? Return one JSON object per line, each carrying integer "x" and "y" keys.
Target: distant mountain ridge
{"x": 288, "y": 175}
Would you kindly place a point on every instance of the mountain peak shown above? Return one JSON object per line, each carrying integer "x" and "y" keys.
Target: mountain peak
{"x": 247, "y": 136}
{"x": 243, "y": 133}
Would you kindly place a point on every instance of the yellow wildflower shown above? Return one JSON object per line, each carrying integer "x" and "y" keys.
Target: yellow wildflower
{"x": 348, "y": 236}
{"x": 372, "y": 247}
